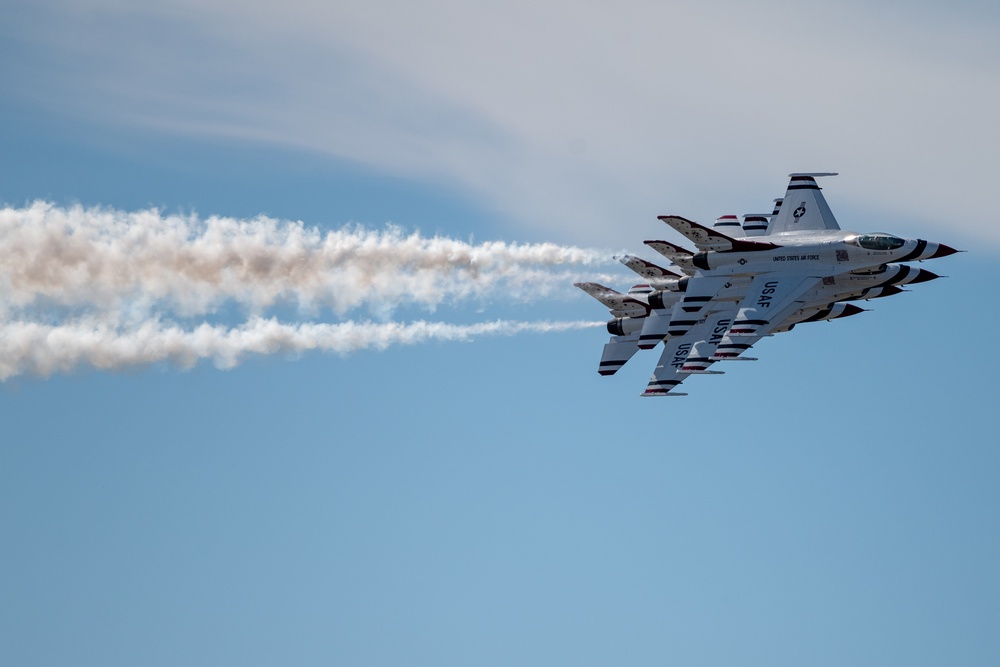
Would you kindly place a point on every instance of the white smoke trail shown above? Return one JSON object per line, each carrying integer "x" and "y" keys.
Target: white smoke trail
{"x": 106, "y": 288}
{"x": 102, "y": 259}
{"x": 42, "y": 349}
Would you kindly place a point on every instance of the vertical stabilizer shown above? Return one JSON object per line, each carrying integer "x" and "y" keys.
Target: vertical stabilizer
{"x": 804, "y": 208}
{"x": 728, "y": 224}
{"x": 755, "y": 224}
{"x": 758, "y": 224}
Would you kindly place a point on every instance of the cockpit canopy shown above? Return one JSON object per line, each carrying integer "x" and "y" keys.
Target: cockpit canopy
{"x": 878, "y": 241}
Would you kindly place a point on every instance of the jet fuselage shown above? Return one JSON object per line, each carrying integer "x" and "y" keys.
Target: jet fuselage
{"x": 819, "y": 253}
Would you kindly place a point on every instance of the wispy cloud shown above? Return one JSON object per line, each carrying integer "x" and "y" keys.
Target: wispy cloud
{"x": 634, "y": 109}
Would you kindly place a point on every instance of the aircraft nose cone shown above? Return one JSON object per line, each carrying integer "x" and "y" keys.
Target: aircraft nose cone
{"x": 891, "y": 290}
{"x": 924, "y": 275}
{"x": 943, "y": 251}
{"x": 851, "y": 309}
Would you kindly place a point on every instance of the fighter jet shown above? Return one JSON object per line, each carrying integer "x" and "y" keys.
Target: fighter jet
{"x": 628, "y": 312}
{"x": 774, "y": 271}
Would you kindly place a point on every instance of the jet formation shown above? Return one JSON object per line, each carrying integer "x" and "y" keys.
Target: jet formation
{"x": 747, "y": 281}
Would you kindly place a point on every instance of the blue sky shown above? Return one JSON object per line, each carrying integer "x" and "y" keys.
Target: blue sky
{"x": 495, "y": 501}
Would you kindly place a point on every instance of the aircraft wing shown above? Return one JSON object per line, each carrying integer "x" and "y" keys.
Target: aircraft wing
{"x": 620, "y": 305}
{"x": 706, "y": 238}
{"x": 684, "y": 355}
{"x": 701, "y": 290}
{"x": 668, "y": 375}
{"x": 731, "y": 347}
{"x": 804, "y": 208}
{"x": 709, "y": 335}
{"x": 770, "y": 298}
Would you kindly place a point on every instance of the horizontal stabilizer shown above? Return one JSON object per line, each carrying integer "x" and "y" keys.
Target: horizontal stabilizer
{"x": 617, "y": 352}
{"x": 680, "y": 257}
{"x": 654, "y": 329}
{"x": 651, "y": 272}
{"x": 703, "y": 237}
{"x": 711, "y": 239}
{"x": 620, "y": 305}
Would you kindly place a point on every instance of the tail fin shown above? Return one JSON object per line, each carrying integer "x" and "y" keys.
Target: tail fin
{"x": 728, "y": 224}
{"x": 755, "y": 224}
{"x": 758, "y": 224}
{"x": 804, "y": 208}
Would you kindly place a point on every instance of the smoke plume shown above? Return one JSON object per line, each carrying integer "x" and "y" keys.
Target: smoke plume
{"x": 110, "y": 289}
{"x": 105, "y": 258}
{"x": 41, "y": 349}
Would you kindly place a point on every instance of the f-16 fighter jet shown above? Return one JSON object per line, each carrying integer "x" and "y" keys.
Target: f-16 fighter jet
{"x": 631, "y": 310}
{"x": 765, "y": 276}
